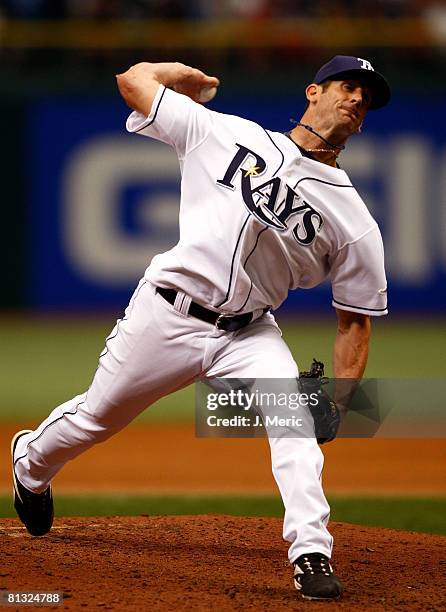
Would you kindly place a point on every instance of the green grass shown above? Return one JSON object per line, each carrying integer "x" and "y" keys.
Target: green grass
{"x": 411, "y": 514}
{"x": 44, "y": 362}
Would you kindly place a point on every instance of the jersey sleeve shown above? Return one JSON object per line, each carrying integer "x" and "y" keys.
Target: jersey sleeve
{"x": 358, "y": 276}
{"x": 174, "y": 119}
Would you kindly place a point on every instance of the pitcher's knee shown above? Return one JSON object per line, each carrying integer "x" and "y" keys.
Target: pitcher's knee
{"x": 91, "y": 428}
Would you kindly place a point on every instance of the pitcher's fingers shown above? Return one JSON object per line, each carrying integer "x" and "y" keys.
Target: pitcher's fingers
{"x": 212, "y": 81}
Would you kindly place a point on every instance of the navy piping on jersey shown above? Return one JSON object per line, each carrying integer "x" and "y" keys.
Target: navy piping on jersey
{"x": 311, "y": 178}
{"x": 250, "y": 286}
{"x": 247, "y": 297}
{"x": 360, "y": 307}
{"x": 232, "y": 262}
{"x": 255, "y": 246}
{"x": 238, "y": 240}
{"x": 278, "y": 148}
{"x": 156, "y": 112}
{"x": 249, "y": 255}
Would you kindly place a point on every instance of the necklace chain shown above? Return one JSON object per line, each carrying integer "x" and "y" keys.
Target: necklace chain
{"x": 335, "y": 153}
{"x": 313, "y": 131}
{"x": 322, "y": 151}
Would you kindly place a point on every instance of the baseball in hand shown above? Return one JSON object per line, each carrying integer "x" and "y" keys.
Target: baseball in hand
{"x": 206, "y": 94}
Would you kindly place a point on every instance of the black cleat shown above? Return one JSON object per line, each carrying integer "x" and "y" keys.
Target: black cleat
{"x": 314, "y": 577}
{"x": 35, "y": 510}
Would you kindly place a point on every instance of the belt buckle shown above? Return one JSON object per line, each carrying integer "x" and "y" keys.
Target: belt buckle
{"x": 220, "y": 322}
{"x": 232, "y": 323}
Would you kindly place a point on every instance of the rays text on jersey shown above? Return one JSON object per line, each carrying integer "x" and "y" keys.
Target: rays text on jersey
{"x": 274, "y": 203}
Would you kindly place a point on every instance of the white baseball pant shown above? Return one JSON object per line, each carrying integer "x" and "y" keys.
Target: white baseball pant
{"x": 155, "y": 350}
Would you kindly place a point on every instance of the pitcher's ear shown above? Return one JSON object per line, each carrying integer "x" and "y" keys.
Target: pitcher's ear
{"x": 311, "y": 91}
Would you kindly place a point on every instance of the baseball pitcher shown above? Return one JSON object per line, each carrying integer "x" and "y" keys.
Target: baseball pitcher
{"x": 261, "y": 213}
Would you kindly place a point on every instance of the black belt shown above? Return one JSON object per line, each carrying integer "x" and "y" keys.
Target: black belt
{"x": 221, "y": 321}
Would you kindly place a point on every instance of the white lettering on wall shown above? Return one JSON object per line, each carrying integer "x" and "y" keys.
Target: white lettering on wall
{"x": 97, "y": 245}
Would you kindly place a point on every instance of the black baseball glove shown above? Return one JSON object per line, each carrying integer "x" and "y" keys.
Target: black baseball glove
{"x": 325, "y": 413}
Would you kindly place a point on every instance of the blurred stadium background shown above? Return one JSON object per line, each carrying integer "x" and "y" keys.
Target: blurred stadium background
{"x": 86, "y": 206}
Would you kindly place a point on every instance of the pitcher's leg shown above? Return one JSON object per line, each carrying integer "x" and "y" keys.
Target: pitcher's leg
{"x": 139, "y": 364}
{"x": 260, "y": 352}
{"x": 297, "y": 467}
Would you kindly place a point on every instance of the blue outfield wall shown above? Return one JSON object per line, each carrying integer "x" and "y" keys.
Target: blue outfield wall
{"x": 102, "y": 202}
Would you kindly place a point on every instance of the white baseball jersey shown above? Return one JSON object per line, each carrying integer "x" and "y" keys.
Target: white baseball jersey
{"x": 258, "y": 218}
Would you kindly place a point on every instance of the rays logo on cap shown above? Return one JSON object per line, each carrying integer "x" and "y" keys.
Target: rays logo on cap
{"x": 365, "y": 64}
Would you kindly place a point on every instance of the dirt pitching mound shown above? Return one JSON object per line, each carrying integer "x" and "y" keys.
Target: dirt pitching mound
{"x": 215, "y": 563}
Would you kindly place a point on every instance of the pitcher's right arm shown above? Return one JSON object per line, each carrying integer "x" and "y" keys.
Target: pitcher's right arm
{"x": 139, "y": 84}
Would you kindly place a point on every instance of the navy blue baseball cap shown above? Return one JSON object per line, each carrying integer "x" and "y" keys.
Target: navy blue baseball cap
{"x": 343, "y": 67}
